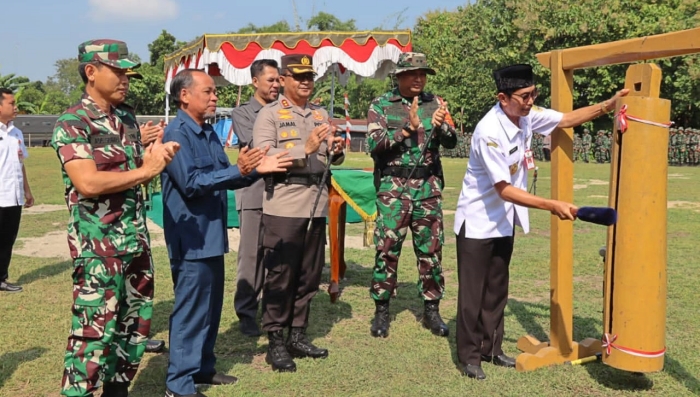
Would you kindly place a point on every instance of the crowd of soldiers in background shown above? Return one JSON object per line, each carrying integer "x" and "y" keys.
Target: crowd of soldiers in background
{"x": 683, "y": 147}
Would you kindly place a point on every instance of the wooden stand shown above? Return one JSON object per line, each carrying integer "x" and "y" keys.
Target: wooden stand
{"x": 562, "y": 63}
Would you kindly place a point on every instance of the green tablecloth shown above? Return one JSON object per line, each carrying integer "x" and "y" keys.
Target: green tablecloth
{"x": 356, "y": 187}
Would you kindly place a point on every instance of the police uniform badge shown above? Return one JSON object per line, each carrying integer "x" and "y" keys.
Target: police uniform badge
{"x": 293, "y": 133}
{"x": 317, "y": 115}
{"x": 305, "y": 60}
{"x": 284, "y": 134}
{"x": 289, "y": 145}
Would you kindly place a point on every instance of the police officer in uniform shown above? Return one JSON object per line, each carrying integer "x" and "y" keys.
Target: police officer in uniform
{"x": 249, "y": 278}
{"x": 406, "y": 127}
{"x": 493, "y": 200}
{"x": 293, "y": 249}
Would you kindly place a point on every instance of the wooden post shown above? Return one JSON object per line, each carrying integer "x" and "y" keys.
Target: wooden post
{"x": 561, "y": 347}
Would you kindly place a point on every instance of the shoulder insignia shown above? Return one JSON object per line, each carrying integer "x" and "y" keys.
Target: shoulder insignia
{"x": 285, "y": 103}
{"x": 536, "y": 108}
{"x": 492, "y": 144}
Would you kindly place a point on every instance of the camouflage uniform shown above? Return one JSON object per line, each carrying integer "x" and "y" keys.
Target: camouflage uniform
{"x": 607, "y": 146}
{"x": 671, "y": 139}
{"x": 419, "y": 204}
{"x": 586, "y": 145}
{"x": 683, "y": 148}
{"x": 109, "y": 244}
{"x": 578, "y": 146}
{"x": 695, "y": 147}
{"x": 600, "y": 148}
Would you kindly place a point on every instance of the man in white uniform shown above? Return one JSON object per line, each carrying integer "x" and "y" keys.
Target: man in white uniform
{"x": 493, "y": 200}
{"x": 14, "y": 187}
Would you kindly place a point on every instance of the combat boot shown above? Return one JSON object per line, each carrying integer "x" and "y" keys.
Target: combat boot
{"x": 115, "y": 389}
{"x": 277, "y": 355}
{"x": 380, "y": 324}
{"x": 298, "y": 345}
{"x": 432, "y": 319}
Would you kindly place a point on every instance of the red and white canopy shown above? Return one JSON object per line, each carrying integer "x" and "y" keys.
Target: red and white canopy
{"x": 227, "y": 57}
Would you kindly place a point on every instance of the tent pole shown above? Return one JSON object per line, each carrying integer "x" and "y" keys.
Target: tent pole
{"x": 167, "y": 107}
{"x": 330, "y": 113}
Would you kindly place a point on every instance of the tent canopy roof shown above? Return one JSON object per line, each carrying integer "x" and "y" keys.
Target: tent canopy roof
{"x": 227, "y": 57}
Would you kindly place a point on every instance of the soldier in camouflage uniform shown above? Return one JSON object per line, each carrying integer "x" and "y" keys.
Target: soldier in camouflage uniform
{"x": 103, "y": 166}
{"x": 406, "y": 127}
{"x": 586, "y": 141}
{"x": 607, "y": 146}
{"x": 695, "y": 147}
{"x": 599, "y": 147}
{"x": 578, "y": 146}
{"x": 683, "y": 147}
{"x": 671, "y": 138}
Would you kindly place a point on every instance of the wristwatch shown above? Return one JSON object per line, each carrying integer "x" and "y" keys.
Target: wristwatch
{"x": 408, "y": 127}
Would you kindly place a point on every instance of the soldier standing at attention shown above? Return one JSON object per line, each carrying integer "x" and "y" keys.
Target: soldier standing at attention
{"x": 406, "y": 127}
{"x": 104, "y": 166}
{"x": 586, "y": 145}
{"x": 578, "y": 146}
{"x": 249, "y": 279}
{"x": 293, "y": 249}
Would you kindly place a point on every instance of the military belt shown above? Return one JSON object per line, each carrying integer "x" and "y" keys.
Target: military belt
{"x": 403, "y": 172}
{"x": 297, "y": 179}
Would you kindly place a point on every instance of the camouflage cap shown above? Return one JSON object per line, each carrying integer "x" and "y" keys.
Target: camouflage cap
{"x": 298, "y": 63}
{"x": 113, "y": 53}
{"x": 132, "y": 73}
{"x": 412, "y": 61}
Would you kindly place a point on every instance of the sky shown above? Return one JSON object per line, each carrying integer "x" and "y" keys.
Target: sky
{"x": 40, "y": 32}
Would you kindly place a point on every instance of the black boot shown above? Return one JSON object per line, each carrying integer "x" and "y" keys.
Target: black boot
{"x": 115, "y": 389}
{"x": 380, "y": 324}
{"x": 277, "y": 355}
{"x": 432, "y": 319}
{"x": 298, "y": 345}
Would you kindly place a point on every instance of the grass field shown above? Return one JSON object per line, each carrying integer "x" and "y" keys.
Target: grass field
{"x": 411, "y": 362}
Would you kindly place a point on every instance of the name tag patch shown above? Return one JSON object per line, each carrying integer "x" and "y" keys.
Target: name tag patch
{"x": 513, "y": 150}
{"x": 102, "y": 140}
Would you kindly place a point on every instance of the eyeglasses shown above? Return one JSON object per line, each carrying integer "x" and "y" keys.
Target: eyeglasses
{"x": 301, "y": 77}
{"x": 528, "y": 95}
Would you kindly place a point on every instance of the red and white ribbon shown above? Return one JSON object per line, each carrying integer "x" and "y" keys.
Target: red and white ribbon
{"x": 608, "y": 345}
{"x": 622, "y": 120}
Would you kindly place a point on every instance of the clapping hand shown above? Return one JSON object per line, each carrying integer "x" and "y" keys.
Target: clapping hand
{"x": 275, "y": 163}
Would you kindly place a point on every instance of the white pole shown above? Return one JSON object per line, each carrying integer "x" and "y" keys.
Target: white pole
{"x": 167, "y": 107}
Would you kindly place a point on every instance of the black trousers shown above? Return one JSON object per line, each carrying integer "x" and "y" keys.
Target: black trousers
{"x": 293, "y": 259}
{"x": 9, "y": 226}
{"x": 547, "y": 154}
{"x": 482, "y": 270}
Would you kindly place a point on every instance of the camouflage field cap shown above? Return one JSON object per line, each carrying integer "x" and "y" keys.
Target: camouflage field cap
{"x": 110, "y": 52}
{"x": 298, "y": 63}
{"x": 413, "y": 61}
{"x": 131, "y": 73}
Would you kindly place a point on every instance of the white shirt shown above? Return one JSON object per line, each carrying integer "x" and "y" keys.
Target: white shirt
{"x": 11, "y": 178}
{"x": 498, "y": 154}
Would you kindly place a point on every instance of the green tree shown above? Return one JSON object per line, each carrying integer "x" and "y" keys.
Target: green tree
{"x": 13, "y": 82}
{"x": 277, "y": 27}
{"x": 67, "y": 79}
{"x": 329, "y": 22}
{"x": 465, "y": 45}
{"x": 163, "y": 45}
